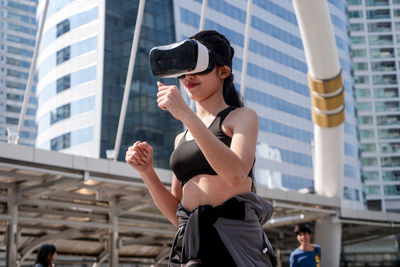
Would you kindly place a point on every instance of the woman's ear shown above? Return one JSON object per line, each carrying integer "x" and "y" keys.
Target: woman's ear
{"x": 224, "y": 71}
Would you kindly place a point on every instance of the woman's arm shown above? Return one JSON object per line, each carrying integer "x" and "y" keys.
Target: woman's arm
{"x": 140, "y": 157}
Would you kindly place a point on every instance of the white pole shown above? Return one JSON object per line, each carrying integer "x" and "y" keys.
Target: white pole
{"x": 203, "y": 15}
{"x": 245, "y": 49}
{"x": 31, "y": 73}
{"x": 322, "y": 60}
{"x": 128, "y": 81}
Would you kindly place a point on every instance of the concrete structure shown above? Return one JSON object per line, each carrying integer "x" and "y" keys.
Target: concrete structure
{"x": 17, "y": 42}
{"x": 375, "y": 36}
{"x": 95, "y": 210}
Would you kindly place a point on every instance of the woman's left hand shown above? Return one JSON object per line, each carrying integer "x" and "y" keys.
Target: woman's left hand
{"x": 169, "y": 98}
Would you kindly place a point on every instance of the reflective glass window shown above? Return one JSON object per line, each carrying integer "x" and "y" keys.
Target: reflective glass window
{"x": 380, "y": 27}
{"x": 391, "y": 175}
{"x": 370, "y": 175}
{"x": 393, "y": 147}
{"x": 364, "y": 106}
{"x": 372, "y": 190}
{"x": 63, "y": 83}
{"x": 387, "y": 106}
{"x": 384, "y": 79}
{"x": 368, "y": 147}
{"x": 391, "y": 190}
{"x": 60, "y": 113}
{"x": 360, "y": 66}
{"x": 376, "y": 2}
{"x": 382, "y": 53}
{"x": 359, "y": 53}
{"x": 361, "y": 79}
{"x": 386, "y": 92}
{"x": 353, "y": 2}
{"x": 10, "y": 120}
{"x": 367, "y": 134}
{"x": 389, "y": 133}
{"x": 369, "y": 161}
{"x": 383, "y": 66}
{"x": 357, "y": 40}
{"x": 61, "y": 142}
{"x": 396, "y": 12}
{"x": 356, "y": 27}
{"x": 378, "y": 14}
{"x": 380, "y": 40}
{"x": 63, "y": 55}
{"x": 365, "y": 120}
{"x": 388, "y": 120}
{"x": 355, "y": 14}
{"x": 62, "y": 27}
{"x": 390, "y": 161}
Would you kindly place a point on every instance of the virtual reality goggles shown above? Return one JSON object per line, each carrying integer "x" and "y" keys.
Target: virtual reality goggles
{"x": 178, "y": 59}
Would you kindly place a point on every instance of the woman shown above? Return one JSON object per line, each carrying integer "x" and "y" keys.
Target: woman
{"x": 218, "y": 217}
{"x": 47, "y": 256}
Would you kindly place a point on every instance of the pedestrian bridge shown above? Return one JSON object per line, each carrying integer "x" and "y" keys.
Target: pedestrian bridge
{"x": 99, "y": 211}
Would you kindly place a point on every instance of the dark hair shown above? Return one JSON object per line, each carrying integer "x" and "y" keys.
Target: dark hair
{"x": 302, "y": 228}
{"x": 45, "y": 254}
{"x": 224, "y": 54}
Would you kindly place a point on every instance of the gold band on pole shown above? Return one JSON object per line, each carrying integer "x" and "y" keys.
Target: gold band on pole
{"x": 322, "y": 103}
{"x": 325, "y": 86}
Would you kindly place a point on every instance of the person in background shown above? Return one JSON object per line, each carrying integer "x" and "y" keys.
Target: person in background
{"x": 307, "y": 254}
{"x": 212, "y": 203}
{"x": 46, "y": 256}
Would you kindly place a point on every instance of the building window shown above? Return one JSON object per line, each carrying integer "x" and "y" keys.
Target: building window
{"x": 376, "y": 2}
{"x": 361, "y": 79}
{"x": 380, "y": 27}
{"x": 63, "y": 83}
{"x": 383, "y": 66}
{"x": 367, "y": 134}
{"x": 60, "y": 113}
{"x": 388, "y": 120}
{"x": 365, "y": 120}
{"x": 364, "y": 106}
{"x": 386, "y": 92}
{"x": 63, "y": 55}
{"x": 61, "y": 142}
{"x": 368, "y": 147}
{"x": 353, "y": 2}
{"x": 382, "y": 53}
{"x": 360, "y": 66}
{"x": 381, "y": 40}
{"x": 378, "y": 14}
{"x": 388, "y": 133}
{"x": 384, "y": 79}
{"x": 372, "y": 190}
{"x": 370, "y": 162}
{"x": 356, "y": 27}
{"x": 370, "y": 176}
{"x": 362, "y": 93}
{"x": 389, "y": 147}
{"x": 359, "y": 53}
{"x": 391, "y": 190}
{"x": 396, "y": 12}
{"x": 391, "y": 176}
{"x": 356, "y": 14}
{"x": 357, "y": 40}
{"x": 63, "y": 27}
{"x": 387, "y": 106}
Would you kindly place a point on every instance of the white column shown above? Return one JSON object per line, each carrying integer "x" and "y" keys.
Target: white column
{"x": 322, "y": 60}
{"x": 12, "y": 207}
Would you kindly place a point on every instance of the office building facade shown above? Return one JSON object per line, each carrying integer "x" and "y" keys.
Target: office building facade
{"x": 17, "y": 42}
{"x": 277, "y": 89}
{"x": 82, "y": 66}
{"x": 375, "y": 42}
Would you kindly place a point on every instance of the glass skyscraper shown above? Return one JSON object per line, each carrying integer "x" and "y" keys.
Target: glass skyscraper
{"x": 17, "y": 42}
{"x": 375, "y": 42}
{"x": 276, "y": 86}
{"x": 82, "y": 68}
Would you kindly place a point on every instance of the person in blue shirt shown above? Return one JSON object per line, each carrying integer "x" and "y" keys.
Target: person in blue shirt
{"x": 307, "y": 254}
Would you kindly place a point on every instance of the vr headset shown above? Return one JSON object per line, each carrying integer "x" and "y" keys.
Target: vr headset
{"x": 177, "y": 59}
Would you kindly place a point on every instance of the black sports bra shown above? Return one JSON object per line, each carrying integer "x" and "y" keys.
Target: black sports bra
{"x": 187, "y": 160}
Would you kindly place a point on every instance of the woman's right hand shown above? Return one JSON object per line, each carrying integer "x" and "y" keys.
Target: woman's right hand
{"x": 140, "y": 156}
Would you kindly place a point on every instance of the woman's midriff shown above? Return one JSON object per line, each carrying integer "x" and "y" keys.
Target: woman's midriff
{"x": 211, "y": 190}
